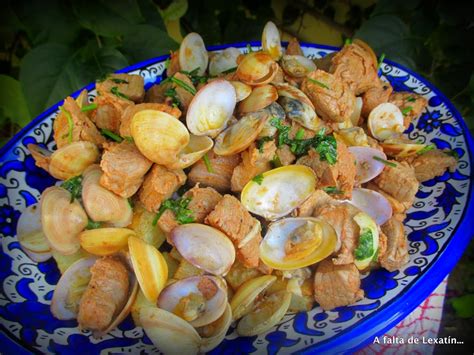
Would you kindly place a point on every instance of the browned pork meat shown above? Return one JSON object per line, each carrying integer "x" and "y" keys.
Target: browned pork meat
{"x": 294, "y": 47}
{"x": 124, "y": 168}
{"x": 332, "y": 99}
{"x": 324, "y": 63}
{"x": 341, "y": 218}
{"x": 132, "y": 110}
{"x": 396, "y": 254}
{"x": 254, "y": 161}
{"x": 432, "y": 164}
{"x": 173, "y": 66}
{"x": 399, "y": 181}
{"x": 105, "y": 295}
{"x": 110, "y": 111}
{"x": 312, "y": 204}
{"x": 336, "y": 285}
{"x": 340, "y": 175}
{"x": 374, "y": 96}
{"x": 356, "y": 65}
{"x": 160, "y": 183}
{"x": 285, "y": 155}
{"x": 203, "y": 201}
{"x": 231, "y": 218}
{"x": 220, "y": 176}
{"x": 412, "y": 105}
{"x": 83, "y": 129}
{"x": 130, "y": 85}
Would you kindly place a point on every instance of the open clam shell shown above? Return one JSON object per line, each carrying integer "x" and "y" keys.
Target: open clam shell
{"x": 193, "y": 54}
{"x": 271, "y": 42}
{"x": 368, "y": 241}
{"x": 273, "y": 248}
{"x": 224, "y": 60}
{"x": 367, "y": 167}
{"x": 62, "y": 220}
{"x": 72, "y": 159}
{"x": 297, "y": 66}
{"x": 385, "y": 121}
{"x": 281, "y": 191}
{"x": 213, "y": 334}
{"x": 31, "y": 236}
{"x": 205, "y": 247}
{"x": 373, "y": 203}
{"x": 211, "y": 108}
{"x": 257, "y": 68}
{"x": 261, "y": 97}
{"x": 213, "y": 305}
{"x": 195, "y": 150}
{"x": 300, "y": 112}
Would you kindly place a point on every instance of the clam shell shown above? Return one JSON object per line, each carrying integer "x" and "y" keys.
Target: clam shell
{"x": 281, "y": 191}
{"x": 246, "y": 295}
{"x": 400, "y": 149}
{"x": 365, "y": 222}
{"x": 72, "y": 159}
{"x": 242, "y": 90}
{"x": 287, "y": 90}
{"x": 205, "y": 247}
{"x": 195, "y": 150}
{"x": 367, "y": 167}
{"x": 142, "y": 225}
{"x": 272, "y": 247}
{"x": 301, "y": 113}
{"x": 297, "y": 66}
{"x": 62, "y": 220}
{"x": 221, "y": 326}
{"x": 257, "y": 68}
{"x": 271, "y": 42}
{"x": 158, "y": 135}
{"x": 168, "y": 332}
{"x": 193, "y": 54}
{"x": 385, "y": 121}
{"x": 238, "y": 137}
{"x": 355, "y": 116}
{"x": 373, "y": 203}
{"x": 215, "y": 307}
{"x": 30, "y": 233}
{"x": 261, "y": 97}
{"x": 224, "y": 60}
{"x": 211, "y": 108}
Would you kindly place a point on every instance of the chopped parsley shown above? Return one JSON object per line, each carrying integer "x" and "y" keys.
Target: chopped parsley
{"x": 332, "y": 190}
{"x": 300, "y": 134}
{"x": 406, "y": 110}
{"x": 74, "y": 186}
{"x": 261, "y": 142}
{"x": 195, "y": 78}
{"x": 425, "y": 149}
{"x": 117, "y": 93}
{"x": 385, "y": 162}
{"x": 167, "y": 62}
{"x": 185, "y": 86}
{"x": 347, "y": 41}
{"x": 171, "y": 93}
{"x": 89, "y": 107}
{"x": 381, "y": 58}
{"x": 111, "y": 135}
{"x": 320, "y": 83}
{"x": 276, "y": 162}
{"x": 70, "y": 123}
{"x": 366, "y": 245}
{"x": 180, "y": 209}
{"x": 325, "y": 145}
{"x": 129, "y": 139}
{"x": 92, "y": 224}
{"x": 207, "y": 162}
{"x": 258, "y": 179}
{"x": 411, "y": 99}
{"x": 119, "y": 81}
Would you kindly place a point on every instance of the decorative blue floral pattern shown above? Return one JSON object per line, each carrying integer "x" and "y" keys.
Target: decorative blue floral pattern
{"x": 26, "y": 288}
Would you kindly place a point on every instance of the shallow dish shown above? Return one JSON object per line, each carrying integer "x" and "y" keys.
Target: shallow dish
{"x": 438, "y": 230}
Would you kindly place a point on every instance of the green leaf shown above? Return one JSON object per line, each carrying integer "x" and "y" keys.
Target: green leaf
{"x": 464, "y": 306}
{"x": 12, "y": 101}
{"x": 101, "y": 61}
{"x": 151, "y": 14}
{"x": 390, "y": 35}
{"x": 175, "y": 10}
{"x": 54, "y": 22}
{"x": 146, "y": 42}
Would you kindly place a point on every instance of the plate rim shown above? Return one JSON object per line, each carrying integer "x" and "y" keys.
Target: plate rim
{"x": 361, "y": 334}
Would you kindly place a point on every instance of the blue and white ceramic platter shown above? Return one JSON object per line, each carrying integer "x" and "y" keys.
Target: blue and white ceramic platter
{"x": 439, "y": 227}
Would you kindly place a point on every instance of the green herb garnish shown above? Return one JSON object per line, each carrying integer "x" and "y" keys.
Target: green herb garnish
{"x": 261, "y": 142}
{"x": 167, "y": 62}
{"x": 452, "y": 153}
{"x": 317, "y": 82}
{"x": 231, "y": 70}
{"x": 185, "y": 86}
{"x": 411, "y": 99}
{"x": 117, "y": 93}
{"x": 249, "y": 48}
{"x": 426, "y": 148}
{"x": 207, "y": 162}
{"x": 332, "y": 190}
{"x": 347, "y": 41}
{"x": 406, "y": 110}
{"x": 300, "y": 134}
{"x": 74, "y": 186}
{"x": 258, "y": 179}
{"x": 283, "y": 131}
{"x": 180, "y": 209}
{"x": 129, "y": 139}
{"x": 171, "y": 93}
{"x": 381, "y": 58}
{"x": 89, "y": 107}
{"x": 92, "y": 224}
{"x": 365, "y": 248}
{"x": 70, "y": 123}
{"x": 195, "y": 78}
{"x": 111, "y": 135}
{"x": 119, "y": 81}
{"x": 276, "y": 162}
{"x": 385, "y": 162}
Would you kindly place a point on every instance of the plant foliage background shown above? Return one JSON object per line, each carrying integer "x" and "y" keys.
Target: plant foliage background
{"x": 52, "y": 48}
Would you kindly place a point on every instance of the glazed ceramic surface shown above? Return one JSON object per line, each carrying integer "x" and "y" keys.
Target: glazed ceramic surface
{"x": 437, "y": 225}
